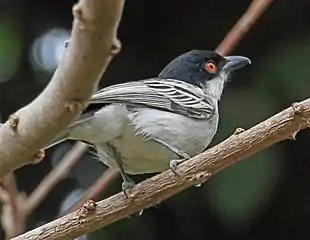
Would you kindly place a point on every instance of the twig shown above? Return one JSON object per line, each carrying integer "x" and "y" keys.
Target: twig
{"x": 57, "y": 174}
{"x": 12, "y": 217}
{"x": 256, "y": 8}
{"x": 92, "y": 45}
{"x": 4, "y": 196}
{"x": 96, "y": 189}
{"x": 199, "y": 169}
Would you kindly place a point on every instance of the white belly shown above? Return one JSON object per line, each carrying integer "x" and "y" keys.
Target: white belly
{"x": 140, "y": 154}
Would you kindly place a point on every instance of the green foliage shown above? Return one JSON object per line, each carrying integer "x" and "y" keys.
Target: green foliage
{"x": 238, "y": 193}
{"x": 286, "y": 70}
{"x": 10, "y": 49}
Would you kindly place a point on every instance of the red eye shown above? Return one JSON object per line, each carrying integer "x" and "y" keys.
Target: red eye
{"x": 210, "y": 67}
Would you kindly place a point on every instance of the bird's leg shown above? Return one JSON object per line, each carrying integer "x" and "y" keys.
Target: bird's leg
{"x": 128, "y": 183}
{"x": 174, "y": 163}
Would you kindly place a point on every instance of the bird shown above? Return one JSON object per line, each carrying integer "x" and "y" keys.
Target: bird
{"x": 155, "y": 124}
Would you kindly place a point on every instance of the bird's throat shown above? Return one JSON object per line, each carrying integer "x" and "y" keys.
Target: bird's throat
{"x": 214, "y": 87}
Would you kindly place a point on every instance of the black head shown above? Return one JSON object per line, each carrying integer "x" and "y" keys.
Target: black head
{"x": 200, "y": 66}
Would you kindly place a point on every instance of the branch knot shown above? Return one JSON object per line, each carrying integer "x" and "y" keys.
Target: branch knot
{"x": 75, "y": 105}
{"x": 298, "y": 108}
{"x": 13, "y": 122}
{"x": 38, "y": 156}
{"x": 238, "y": 131}
{"x": 88, "y": 207}
{"x": 116, "y": 47}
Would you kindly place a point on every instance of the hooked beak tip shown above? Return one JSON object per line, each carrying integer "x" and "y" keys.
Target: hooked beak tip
{"x": 236, "y": 62}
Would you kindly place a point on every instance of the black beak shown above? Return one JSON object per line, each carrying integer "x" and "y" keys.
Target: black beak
{"x": 235, "y": 62}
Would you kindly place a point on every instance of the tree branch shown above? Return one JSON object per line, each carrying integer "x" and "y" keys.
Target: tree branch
{"x": 245, "y": 23}
{"x": 96, "y": 189}
{"x": 92, "y": 46}
{"x": 12, "y": 216}
{"x": 199, "y": 169}
{"x": 58, "y": 173}
{"x": 4, "y": 195}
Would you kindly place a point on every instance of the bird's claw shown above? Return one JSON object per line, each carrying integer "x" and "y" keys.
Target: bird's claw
{"x": 173, "y": 164}
{"x": 126, "y": 185}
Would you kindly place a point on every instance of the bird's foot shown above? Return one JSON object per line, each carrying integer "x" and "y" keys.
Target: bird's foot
{"x": 173, "y": 164}
{"x": 127, "y": 185}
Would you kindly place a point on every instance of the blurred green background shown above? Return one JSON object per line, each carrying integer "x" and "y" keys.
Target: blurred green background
{"x": 265, "y": 196}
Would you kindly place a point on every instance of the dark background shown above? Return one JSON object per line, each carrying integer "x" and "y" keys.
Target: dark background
{"x": 265, "y": 196}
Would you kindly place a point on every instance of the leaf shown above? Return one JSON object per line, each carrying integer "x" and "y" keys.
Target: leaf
{"x": 10, "y": 49}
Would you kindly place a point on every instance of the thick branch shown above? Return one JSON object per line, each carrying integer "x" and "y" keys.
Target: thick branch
{"x": 241, "y": 144}
{"x": 92, "y": 45}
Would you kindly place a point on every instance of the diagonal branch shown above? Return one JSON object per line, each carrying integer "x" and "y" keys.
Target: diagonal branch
{"x": 12, "y": 217}
{"x": 4, "y": 195}
{"x": 245, "y": 23}
{"x": 96, "y": 189}
{"x": 199, "y": 169}
{"x": 92, "y": 46}
{"x": 58, "y": 173}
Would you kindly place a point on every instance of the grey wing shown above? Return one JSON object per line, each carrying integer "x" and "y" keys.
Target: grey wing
{"x": 168, "y": 95}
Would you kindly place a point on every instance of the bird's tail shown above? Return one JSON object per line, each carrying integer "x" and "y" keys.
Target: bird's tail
{"x": 63, "y": 136}
{"x": 68, "y": 132}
